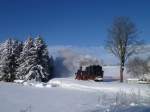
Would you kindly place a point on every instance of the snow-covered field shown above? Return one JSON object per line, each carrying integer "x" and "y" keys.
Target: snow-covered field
{"x": 113, "y": 71}
{"x": 69, "y": 95}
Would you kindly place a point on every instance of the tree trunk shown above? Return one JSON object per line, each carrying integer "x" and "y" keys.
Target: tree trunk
{"x": 121, "y": 72}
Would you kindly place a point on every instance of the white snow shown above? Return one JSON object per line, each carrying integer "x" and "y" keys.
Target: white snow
{"x": 114, "y": 86}
{"x": 70, "y": 95}
{"x": 19, "y": 81}
{"x": 133, "y": 80}
{"x": 39, "y": 85}
{"x": 113, "y": 72}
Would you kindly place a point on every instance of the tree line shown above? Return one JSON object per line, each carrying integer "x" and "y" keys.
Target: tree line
{"x": 28, "y": 60}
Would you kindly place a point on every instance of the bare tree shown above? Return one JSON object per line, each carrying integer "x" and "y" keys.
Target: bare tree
{"x": 122, "y": 40}
{"x": 137, "y": 67}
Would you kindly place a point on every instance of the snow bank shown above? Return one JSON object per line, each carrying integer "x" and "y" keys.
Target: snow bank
{"x": 133, "y": 80}
{"x": 18, "y": 81}
{"x": 36, "y": 84}
{"x": 90, "y": 85}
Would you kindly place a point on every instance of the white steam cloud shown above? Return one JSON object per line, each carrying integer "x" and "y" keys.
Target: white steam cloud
{"x": 69, "y": 58}
{"x": 68, "y": 61}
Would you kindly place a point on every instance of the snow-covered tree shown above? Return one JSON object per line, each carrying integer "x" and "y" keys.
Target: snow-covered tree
{"x": 34, "y": 61}
{"x": 1, "y": 50}
{"x": 43, "y": 59}
{"x": 27, "y": 59}
{"x": 10, "y": 51}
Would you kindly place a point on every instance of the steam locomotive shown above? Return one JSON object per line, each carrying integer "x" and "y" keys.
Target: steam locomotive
{"x": 92, "y": 72}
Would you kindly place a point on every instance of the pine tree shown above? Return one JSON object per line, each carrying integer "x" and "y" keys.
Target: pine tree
{"x": 34, "y": 61}
{"x": 1, "y": 52}
{"x": 26, "y": 60}
{"x": 10, "y": 51}
{"x": 43, "y": 60}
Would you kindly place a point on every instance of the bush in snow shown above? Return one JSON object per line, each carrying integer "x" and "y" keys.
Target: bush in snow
{"x": 137, "y": 67}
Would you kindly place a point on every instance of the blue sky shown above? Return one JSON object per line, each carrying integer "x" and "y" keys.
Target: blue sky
{"x": 70, "y": 22}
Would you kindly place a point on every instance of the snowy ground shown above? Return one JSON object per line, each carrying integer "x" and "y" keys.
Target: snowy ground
{"x": 114, "y": 71}
{"x": 105, "y": 86}
{"x": 69, "y": 95}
